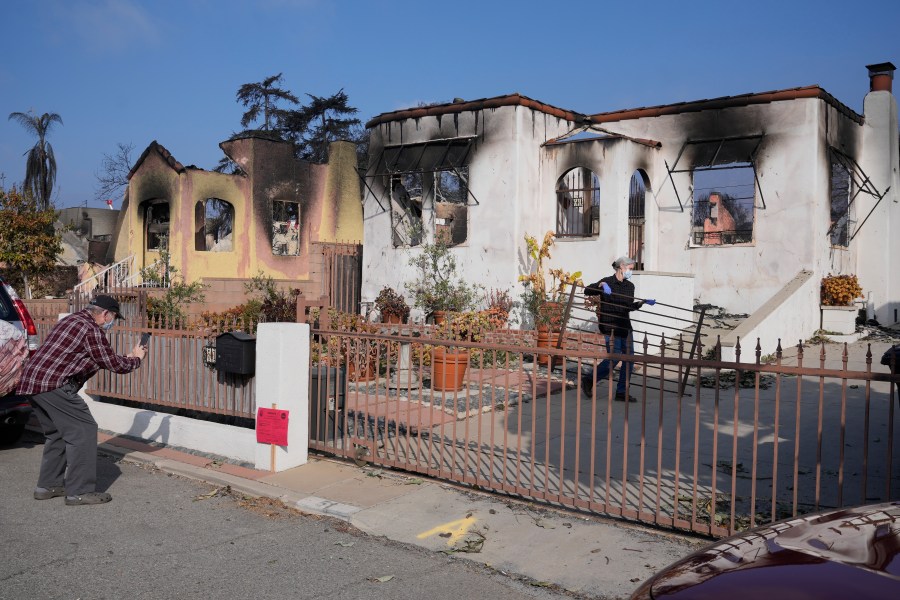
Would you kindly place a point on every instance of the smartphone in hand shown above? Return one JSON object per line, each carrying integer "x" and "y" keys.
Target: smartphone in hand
{"x": 145, "y": 339}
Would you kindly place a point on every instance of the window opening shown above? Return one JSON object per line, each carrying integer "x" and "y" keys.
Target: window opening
{"x": 859, "y": 184}
{"x": 578, "y": 203}
{"x": 156, "y": 218}
{"x": 407, "y": 199}
{"x": 724, "y": 205}
{"x": 214, "y": 221}
{"x": 840, "y": 205}
{"x": 636, "y": 218}
{"x": 717, "y": 154}
{"x": 431, "y": 174}
{"x": 450, "y": 210}
{"x": 285, "y": 228}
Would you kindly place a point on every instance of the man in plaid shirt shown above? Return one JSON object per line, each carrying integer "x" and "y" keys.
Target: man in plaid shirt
{"x": 73, "y": 352}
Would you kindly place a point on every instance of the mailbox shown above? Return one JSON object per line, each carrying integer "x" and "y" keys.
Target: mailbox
{"x": 236, "y": 353}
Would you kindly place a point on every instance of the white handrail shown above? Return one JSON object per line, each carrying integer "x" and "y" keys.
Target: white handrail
{"x": 115, "y": 275}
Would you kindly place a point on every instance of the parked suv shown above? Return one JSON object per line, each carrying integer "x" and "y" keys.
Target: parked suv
{"x": 15, "y": 410}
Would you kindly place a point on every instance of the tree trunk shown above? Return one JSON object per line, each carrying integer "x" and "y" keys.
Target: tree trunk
{"x": 27, "y": 286}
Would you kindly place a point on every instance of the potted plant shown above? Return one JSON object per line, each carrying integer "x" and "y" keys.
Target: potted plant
{"x": 449, "y": 363}
{"x": 392, "y": 306}
{"x": 438, "y": 287}
{"x": 546, "y": 303}
{"x": 499, "y": 304}
{"x": 838, "y": 292}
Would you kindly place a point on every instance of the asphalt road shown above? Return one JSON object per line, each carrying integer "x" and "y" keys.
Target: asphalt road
{"x": 167, "y": 537}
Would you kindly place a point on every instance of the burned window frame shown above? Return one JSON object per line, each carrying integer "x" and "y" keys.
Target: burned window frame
{"x": 861, "y": 184}
{"x": 731, "y": 204}
{"x": 840, "y": 195}
{"x": 203, "y": 223}
{"x": 285, "y": 235}
{"x": 578, "y": 206}
{"x": 719, "y": 154}
{"x": 156, "y": 228}
{"x": 423, "y": 166}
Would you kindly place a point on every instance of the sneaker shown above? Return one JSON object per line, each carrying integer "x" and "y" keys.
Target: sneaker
{"x": 41, "y": 493}
{"x": 587, "y": 386}
{"x": 89, "y": 498}
{"x": 623, "y": 397}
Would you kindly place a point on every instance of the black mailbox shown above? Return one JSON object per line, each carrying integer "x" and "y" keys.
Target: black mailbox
{"x": 236, "y": 353}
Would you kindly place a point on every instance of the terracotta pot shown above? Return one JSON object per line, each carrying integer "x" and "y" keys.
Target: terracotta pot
{"x": 439, "y": 316}
{"x": 368, "y": 374}
{"x": 448, "y": 369}
{"x": 391, "y": 318}
{"x": 546, "y": 338}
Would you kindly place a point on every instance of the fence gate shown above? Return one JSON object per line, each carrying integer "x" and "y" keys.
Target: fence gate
{"x": 342, "y": 282}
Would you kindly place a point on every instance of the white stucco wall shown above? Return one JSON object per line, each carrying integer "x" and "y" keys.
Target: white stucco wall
{"x": 505, "y": 179}
{"x": 237, "y": 443}
{"x": 879, "y": 237}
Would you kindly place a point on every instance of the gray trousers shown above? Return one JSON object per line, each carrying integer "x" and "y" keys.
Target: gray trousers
{"x": 70, "y": 448}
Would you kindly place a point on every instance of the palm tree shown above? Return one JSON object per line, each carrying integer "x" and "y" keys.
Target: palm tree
{"x": 40, "y": 168}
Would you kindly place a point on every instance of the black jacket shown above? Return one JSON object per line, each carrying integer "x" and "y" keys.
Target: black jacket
{"x": 612, "y": 311}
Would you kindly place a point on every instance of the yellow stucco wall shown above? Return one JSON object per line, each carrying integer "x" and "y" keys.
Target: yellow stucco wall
{"x": 331, "y": 211}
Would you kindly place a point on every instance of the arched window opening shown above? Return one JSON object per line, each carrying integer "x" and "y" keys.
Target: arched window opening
{"x": 578, "y": 203}
{"x": 637, "y": 197}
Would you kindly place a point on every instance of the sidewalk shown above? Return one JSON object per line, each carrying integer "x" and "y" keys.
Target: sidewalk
{"x": 590, "y": 557}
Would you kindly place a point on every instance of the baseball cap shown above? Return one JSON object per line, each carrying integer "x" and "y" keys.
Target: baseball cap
{"x": 107, "y": 303}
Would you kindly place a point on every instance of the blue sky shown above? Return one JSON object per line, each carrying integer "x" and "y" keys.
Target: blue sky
{"x": 134, "y": 71}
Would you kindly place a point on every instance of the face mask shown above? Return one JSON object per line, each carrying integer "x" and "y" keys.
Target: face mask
{"x": 107, "y": 326}
{"x": 628, "y": 274}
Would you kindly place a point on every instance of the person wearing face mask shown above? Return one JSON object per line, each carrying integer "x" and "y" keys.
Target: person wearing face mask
{"x": 617, "y": 300}
{"x": 74, "y": 351}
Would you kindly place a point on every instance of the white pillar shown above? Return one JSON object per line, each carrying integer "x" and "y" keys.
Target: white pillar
{"x": 282, "y": 382}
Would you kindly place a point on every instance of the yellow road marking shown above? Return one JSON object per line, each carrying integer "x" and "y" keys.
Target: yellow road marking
{"x": 456, "y": 529}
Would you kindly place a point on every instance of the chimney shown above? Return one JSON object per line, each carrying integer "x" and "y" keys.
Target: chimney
{"x": 881, "y": 77}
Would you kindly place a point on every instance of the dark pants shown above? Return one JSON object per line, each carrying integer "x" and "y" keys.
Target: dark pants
{"x": 70, "y": 448}
{"x": 620, "y": 345}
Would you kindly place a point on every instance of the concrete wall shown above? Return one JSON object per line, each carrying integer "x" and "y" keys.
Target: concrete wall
{"x": 282, "y": 371}
{"x": 788, "y": 318}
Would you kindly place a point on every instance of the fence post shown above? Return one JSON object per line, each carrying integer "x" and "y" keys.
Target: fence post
{"x": 282, "y": 382}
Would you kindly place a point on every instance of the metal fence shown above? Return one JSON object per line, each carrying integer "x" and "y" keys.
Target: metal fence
{"x": 744, "y": 443}
{"x": 174, "y": 374}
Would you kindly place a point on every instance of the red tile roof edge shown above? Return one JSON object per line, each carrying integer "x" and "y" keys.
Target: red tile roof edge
{"x": 161, "y": 150}
{"x": 474, "y": 105}
{"x": 812, "y": 91}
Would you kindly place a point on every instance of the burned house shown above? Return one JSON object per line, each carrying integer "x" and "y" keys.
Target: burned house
{"x": 743, "y": 202}
{"x": 273, "y": 217}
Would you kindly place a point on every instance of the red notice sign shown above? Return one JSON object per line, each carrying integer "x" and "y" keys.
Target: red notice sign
{"x": 271, "y": 426}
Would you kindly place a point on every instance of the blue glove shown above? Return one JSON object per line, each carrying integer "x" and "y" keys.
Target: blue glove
{"x": 605, "y": 287}
{"x": 650, "y": 301}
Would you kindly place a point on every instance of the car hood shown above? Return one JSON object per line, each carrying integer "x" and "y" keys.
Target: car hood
{"x": 822, "y": 553}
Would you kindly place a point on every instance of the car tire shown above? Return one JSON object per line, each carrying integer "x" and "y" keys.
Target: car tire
{"x": 11, "y": 433}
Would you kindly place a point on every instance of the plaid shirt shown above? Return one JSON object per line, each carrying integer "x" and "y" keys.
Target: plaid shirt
{"x": 74, "y": 351}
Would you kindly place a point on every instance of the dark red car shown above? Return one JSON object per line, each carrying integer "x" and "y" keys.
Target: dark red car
{"x": 15, "y": 410}
{"x": 841, "y": 553}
